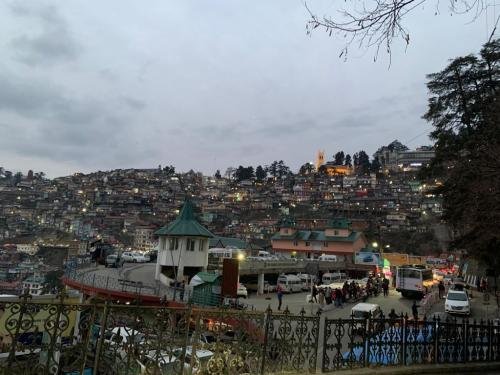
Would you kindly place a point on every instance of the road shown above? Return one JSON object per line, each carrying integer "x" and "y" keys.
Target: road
{"x": 297, "y": 301}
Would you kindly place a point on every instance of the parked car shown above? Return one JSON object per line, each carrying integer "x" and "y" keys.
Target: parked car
{"x": 457, "y": 302}
{"x": 140, "y": 258}
{"x": 242, "y": 291}
{"x": 366, "y": 310}
{"x": 128, "y": 256}
{"x": 114, "y": 260}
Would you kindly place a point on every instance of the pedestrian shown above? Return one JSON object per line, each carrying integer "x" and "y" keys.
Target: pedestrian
{"x": 385, "y": 287}
{"x": 338, "y": 297}
{"x": 280, "y": 296}
{"x": 414, "y": 310}
{"x": 393, "y": 315}
{"x": 321, "y": 297}
{"x": 441, "y": 289}
{"x": 328, "y": 296}
{"x": 315, "y": 293}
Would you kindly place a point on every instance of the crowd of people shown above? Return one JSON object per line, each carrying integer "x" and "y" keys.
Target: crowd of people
{"x": 351, "y": 291}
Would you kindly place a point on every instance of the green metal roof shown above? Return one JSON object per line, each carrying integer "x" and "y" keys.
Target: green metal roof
{"x": 185, "y": 225}
{"x": 208, "y": 277}
{"x": 229, "y": 241}
{"x": 307, "y": 235}
{"x": 341, "y": 223}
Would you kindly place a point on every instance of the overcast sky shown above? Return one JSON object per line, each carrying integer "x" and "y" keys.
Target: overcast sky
{"x": 203, "y": 85}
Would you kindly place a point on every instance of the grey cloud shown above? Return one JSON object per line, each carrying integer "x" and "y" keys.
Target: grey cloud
{"x": 53, "y": 43}
{"x": 29, "y": 98}
{"x": 57, "y": 125}
{"x": 135, "y": 104}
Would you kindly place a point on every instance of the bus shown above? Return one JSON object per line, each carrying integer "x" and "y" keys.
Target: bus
{"x": 413, "y": 281}
{"x": 228, "y": 252}
{"x": 290, "y": 283}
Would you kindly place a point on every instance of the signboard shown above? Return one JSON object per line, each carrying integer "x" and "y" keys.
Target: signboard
{"x": 396, "y": 259}
{"x": 367, "y": 258}
{"x": 230, "y": 271}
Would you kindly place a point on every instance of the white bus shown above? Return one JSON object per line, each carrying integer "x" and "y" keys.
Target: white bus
{"x": 413, "y": 281}
{"x": 307, "y": 280}
{"x": 290, "y": 283}
{"x": 227, "y": 252}
{"x": 329, "y": 278}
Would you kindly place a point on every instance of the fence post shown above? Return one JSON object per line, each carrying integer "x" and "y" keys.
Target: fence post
{"x": 490, "y": 339}
{"x": 366, "y": 337}
{"x": 464, "y": 327}
{"x": 403, "y": 336}
{"x": 102, "y": 332}
{"x": 437, "y": 329}
{"x": 267, "y": 320}
{"x": 88, "y": 338}
{"x": 55, "y": 336}
{"x": 22, "y": 311}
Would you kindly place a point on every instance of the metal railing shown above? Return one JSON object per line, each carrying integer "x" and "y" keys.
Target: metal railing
{"x": 85, "y": 276}
{"x": 64, "y": 337}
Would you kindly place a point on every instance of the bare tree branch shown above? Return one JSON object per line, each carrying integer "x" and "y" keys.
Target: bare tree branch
{"x": 378, "y": 22}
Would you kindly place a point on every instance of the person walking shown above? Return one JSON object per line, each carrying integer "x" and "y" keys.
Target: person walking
{"x": 280, "y": 296}
{"x": 385, "y": 287}
{"x": 321, "y": 297}
{"x": 441, "y": 289}
{"x": 315, "y": 293}
{"x": 414, "y": 310}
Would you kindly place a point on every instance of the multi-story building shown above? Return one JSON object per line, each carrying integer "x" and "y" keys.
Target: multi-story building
{"x": 144, "y": 238}
{"x": 34, "y": 285}
{"x": 337, "y": 238}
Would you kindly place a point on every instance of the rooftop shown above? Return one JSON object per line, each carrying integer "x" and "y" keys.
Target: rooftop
{"x": 185, "y": 225}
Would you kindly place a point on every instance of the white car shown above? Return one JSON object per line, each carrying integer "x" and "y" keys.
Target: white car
{"x": 140, "y": 258}
{"x": 457, "y": 302}
{"x": 128, "y": 256}
{"x": 242, "y": 291}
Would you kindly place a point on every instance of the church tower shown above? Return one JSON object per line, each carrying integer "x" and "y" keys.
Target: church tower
{"x": 320, "y": 159}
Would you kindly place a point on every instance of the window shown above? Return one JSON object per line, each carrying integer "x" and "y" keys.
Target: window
{"x": 336, "y": 232}
{"x": 286, "y": 231}
{"x": 190, "y": 244}
{"x": 325, "y": 244}
{"x": 201, "y": 246}
{"x": 308, "y": 243}
{"x": 174, "y": 244}
{"x": 295, "y": 243}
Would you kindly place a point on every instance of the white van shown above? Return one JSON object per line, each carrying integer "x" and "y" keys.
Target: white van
{"x": 329, "y": 278}
{"x": 328, "y": 257}
{"x": 307, "y": 280}
{"x": 290, "y": 283}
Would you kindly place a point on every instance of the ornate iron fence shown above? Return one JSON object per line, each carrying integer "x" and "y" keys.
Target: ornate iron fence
{"x": 352, "y": 343}
{"x": 69, "y": 337}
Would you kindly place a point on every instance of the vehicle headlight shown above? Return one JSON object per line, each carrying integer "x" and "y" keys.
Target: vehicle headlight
{"x": 447, "y": 306}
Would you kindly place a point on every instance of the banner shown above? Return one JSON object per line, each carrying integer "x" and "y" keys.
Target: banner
{"x": 367, "y": 258}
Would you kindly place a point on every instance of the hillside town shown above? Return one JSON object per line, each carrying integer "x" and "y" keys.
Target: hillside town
{"x": 45, "y": 222}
